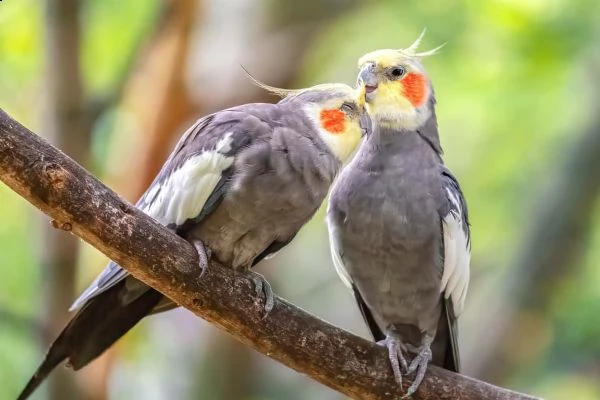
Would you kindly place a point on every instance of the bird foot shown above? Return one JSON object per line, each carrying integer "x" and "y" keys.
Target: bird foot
{"x": 262, "y": 286}
{"x": 204, "y": 254}
{"x": 419, "y": 364}
{"x": 395, "y": 353}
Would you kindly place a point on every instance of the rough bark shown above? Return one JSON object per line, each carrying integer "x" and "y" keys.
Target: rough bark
{"x": 79, "y": 203}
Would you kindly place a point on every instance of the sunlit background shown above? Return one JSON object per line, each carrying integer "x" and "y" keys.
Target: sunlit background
{"x": 518, "y": 92}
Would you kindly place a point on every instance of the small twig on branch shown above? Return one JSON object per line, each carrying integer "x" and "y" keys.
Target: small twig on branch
{"x": 65, "y": 191}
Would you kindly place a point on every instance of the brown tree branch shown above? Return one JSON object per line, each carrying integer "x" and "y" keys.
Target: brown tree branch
{"x": 77, "y": 202}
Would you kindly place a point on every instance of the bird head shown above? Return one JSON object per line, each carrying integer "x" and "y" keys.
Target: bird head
{"x": 336, "y": 110}
{"x": 398, "y": 91}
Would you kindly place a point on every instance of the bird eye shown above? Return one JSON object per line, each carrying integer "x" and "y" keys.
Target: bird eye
{"x": 397, "y": 72}
{"x": 348, "y": 108}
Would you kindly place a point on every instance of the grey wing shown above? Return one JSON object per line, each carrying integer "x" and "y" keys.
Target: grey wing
{"x": 457, "y": 242}
{"x": 111, "y": 275}
{"x": 457, "y": 256}
{"x": 190, "y": 185}
{"x": 337, "y": 252}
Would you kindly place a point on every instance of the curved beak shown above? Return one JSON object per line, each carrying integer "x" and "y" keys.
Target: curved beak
{"x": 364, "y": 119}
{"x": 367, "y": 77}
{"x": 366, "y": 124}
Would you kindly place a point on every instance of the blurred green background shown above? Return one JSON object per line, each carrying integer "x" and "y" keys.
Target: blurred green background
{"x": 114, "y": 83}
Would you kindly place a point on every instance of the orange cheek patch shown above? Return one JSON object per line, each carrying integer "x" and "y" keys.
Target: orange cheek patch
{"x": 333, "y": 120}
{"x": 414, "y": 87}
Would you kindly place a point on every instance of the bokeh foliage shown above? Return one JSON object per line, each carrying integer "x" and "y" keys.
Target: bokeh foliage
{"x": 516, "y": 83}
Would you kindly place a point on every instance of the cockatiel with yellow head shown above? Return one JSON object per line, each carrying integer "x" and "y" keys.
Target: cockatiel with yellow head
{"x": 398, "y": 221}
{"x": 239, "y": 185}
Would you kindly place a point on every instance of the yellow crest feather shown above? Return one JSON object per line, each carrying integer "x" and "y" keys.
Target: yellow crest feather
{"x": 411, "y": 51}
{"x": 271, "y": 89}
{"x": 392, "y": 56}
{"x": 294, "y": 92}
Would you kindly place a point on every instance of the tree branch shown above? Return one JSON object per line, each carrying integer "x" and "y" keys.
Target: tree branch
{"x": 77, "y": 202}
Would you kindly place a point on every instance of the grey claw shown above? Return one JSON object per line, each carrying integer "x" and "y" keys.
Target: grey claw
{"x": 204, "y": 254}
{"x": 402, "y": 360}
{"x": 396, "y": 356}
{"x": 258, "y": 284}
{"x": 419, "y": 364}
{"x": 422, "y": 368}
{"x": 261, "y": 285}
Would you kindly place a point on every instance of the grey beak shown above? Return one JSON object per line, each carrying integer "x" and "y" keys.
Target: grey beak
{"x": 366, "y": 124}
{"x": 368, "y": 77}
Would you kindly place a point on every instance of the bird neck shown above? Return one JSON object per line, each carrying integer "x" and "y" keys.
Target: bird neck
{"x": 406, "y": 139}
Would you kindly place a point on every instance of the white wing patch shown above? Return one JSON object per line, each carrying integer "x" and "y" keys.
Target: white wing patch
{"x": 183, "y": 194}
{"x": 457, "y": 256}
{"x": 336, "y": 257}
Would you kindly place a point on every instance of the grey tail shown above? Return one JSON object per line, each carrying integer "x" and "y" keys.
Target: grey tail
{"x": 96, "y": 327}
{"x": 55, "y": 356}
{"x": 368, "y": 316}
{"x": 448, "y": 334}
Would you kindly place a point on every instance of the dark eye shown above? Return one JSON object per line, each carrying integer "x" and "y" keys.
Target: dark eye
{"x": 397, "y": 72}
{"x": 348, "y": 108}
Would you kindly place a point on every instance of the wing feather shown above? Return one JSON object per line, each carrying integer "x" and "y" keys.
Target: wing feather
{"x": 336, "y": 253}
{"x": 191, "y": 183}
{"x": 457, "y": 244}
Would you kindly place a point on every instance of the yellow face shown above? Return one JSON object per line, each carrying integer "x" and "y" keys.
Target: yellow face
{"x": 397, "y": 88}
{"x": 341, "y": 120}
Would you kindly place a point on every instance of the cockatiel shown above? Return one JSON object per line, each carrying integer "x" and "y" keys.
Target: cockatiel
{"x": 239, "y": 185}
{"x": 397, "y": 220}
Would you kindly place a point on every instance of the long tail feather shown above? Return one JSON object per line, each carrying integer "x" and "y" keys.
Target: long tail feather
{"x": 96, "y": 327}
{"x": 55, "y": 356}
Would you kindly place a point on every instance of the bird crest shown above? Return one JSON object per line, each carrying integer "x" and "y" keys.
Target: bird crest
{"x": 390, "y": 56}
{"x": 271, "y": 89}
{"x": 283, "y": 93}
{"x": 411, "y": 51}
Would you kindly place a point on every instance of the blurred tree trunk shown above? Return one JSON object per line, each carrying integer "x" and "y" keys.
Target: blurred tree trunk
{"x": 64, "y": 122}
{"x": 554, "y": 242}
{"x": 227, "y": 370}
{"x": 157, "y": 99}
{"x": 270, "y": 38}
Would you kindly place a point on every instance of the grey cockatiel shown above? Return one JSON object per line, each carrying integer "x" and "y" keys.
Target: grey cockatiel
{"x": 398, "y": 222}
{"x": 239, "y": 185}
